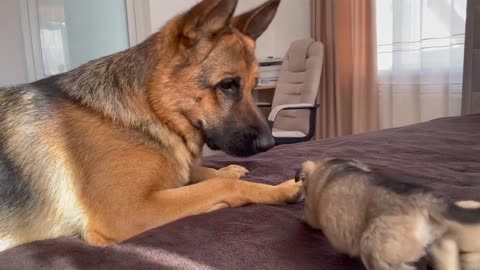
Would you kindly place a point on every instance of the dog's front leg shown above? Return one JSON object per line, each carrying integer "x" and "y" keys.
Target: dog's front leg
{"x": 166, "y": 206}
{"x": 199, "y": 173}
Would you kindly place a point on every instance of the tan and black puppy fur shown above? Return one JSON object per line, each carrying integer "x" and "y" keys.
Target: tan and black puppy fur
{"x": 388, "y": 223}
{"x": 109, "y": 150}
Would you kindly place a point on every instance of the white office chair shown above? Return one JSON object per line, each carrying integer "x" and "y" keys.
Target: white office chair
{"x": 294, "y": 108}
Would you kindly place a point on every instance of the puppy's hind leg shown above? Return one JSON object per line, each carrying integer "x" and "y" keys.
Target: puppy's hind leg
{"x": 392, "y": 242}
{"x": 470, "y": 261}
{"x": 444, "y": 255}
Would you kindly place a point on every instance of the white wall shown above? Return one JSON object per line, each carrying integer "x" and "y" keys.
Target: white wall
{"x": 13, "y": 68}
{"x": 291, "y": 23}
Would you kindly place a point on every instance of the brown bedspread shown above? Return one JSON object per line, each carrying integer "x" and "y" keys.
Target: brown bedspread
{"x": 443, "y": 154}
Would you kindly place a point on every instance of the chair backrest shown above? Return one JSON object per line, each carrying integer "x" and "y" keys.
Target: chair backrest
{"x": 298, "y": 82}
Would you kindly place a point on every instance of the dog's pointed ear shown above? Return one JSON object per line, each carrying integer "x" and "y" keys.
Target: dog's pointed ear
{"x": 208, "y": 17}
{"x": 255, "y": 22}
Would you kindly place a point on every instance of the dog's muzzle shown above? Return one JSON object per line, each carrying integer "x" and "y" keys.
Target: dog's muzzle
{"x": 264, "y": 143}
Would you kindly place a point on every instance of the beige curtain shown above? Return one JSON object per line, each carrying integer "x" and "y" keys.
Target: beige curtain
{"x": 348, "y": 95}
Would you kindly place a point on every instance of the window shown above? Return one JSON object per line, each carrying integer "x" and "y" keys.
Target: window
{"x": 420, "y": 59}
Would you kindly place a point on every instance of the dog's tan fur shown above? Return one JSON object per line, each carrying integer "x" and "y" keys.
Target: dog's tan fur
{"x": 389, "y": 224}
{"x": 109, "y": 149}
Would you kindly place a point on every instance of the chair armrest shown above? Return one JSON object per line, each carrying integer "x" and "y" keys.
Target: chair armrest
{"x": 264, "y": 104}
{"x": 289, "y": 107}
{"x": 313, "y": 116}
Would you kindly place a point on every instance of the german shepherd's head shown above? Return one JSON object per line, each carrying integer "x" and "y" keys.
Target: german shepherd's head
{"x": 206, "y": 75}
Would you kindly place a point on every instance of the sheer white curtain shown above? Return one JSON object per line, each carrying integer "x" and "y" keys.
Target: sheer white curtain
{"x": 53, "y": 36}
{"x": 420, "y": 59}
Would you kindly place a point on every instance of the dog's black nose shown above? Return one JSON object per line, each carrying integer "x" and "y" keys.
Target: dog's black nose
{"x": 264, "y": 142}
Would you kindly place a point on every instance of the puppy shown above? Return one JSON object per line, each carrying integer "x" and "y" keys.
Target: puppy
{"x": 389, "y": 224}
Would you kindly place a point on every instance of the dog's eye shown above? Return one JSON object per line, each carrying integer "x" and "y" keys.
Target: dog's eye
{"x": 230, "y": 86}
{"x": 227, "y": 84}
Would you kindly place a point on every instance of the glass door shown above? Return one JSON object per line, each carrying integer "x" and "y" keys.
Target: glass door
{"x": 74, "y": 32}
{"x": 68, "y": 33}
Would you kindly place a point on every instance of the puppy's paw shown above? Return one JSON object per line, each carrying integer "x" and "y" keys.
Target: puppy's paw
{"x": 232, "y": 171}
{"x": 290, "y": 191}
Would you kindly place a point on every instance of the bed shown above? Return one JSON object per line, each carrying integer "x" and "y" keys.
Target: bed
{"x": 443, "y": 154}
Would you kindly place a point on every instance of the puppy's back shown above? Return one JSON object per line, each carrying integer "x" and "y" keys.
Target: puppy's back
{"x": 343, "y": 197}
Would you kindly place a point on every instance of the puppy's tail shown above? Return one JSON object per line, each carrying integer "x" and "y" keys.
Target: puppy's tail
{"x": 463, "y": 221}
{"x": 466, "y": 212}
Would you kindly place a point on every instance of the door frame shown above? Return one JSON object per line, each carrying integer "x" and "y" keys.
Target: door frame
{"x": 471, "y": 94}
{"x": 138, "y": 20}
{"x": 138, "y": 23}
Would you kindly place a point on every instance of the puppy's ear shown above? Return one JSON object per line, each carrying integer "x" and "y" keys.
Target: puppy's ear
{"x": 255, "y": 22}
{"x": 299, "y": 176}
{"x": 208, "y": 18}
{"x": 303, "y": 173}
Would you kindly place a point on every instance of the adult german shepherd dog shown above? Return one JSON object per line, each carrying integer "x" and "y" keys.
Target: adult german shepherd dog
{"x": 109, "y": 150}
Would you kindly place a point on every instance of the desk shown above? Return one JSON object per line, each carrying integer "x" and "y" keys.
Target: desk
{"x": 264, "y": 93}
{"x": 265, "y": 87}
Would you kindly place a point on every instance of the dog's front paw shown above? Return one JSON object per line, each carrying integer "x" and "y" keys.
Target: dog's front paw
{"x": 290, "y": 191}
{"x": 233, "y": 171}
